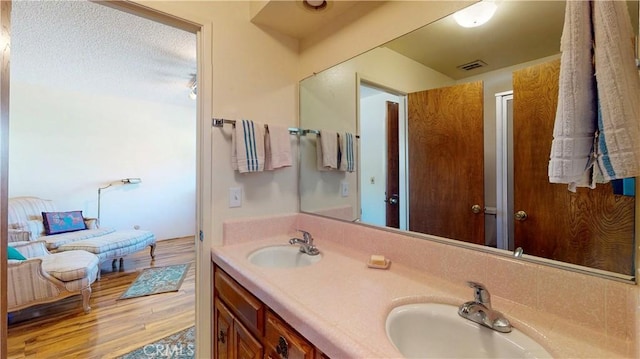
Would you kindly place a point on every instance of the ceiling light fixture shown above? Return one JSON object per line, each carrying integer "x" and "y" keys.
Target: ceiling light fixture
{"x": 476, "y": 14}
{"x": 315, "y": 4}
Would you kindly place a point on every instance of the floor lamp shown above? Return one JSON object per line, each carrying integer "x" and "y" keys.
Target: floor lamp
{"x": 123, "y": 181}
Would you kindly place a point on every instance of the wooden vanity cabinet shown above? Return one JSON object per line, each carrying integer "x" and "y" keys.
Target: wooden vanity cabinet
{"x": 233, "y": 340}
{"x": 245, "y": 328}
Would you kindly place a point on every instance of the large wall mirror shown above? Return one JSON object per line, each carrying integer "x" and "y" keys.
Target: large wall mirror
{"x": 454, "y": 131}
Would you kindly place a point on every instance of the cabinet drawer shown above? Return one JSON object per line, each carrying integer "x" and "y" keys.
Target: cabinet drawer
{"x": 247, "y": 308}
{"x": 280, "y": 335}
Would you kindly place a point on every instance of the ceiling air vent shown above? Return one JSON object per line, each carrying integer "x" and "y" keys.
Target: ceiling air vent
{"x": 472, "y": 65}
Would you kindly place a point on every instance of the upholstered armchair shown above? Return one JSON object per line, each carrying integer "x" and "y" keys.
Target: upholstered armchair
{"x": 45, "y": 277}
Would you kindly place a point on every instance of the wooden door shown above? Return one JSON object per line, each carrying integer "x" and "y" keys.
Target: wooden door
{"x": 393, "y": 167}
{"x": 446, "y": 162}
{"x": 593, "y": 228}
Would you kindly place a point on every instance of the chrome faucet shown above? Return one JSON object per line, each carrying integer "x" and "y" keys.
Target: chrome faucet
{"x": 479, "y": 310}
{"x": 306, "y": 243}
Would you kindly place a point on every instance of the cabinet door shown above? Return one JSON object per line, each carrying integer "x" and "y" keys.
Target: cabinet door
{"x": 223, "y": 324}
{"x": 245, "y": 345}
{"x": 281, "y": 341}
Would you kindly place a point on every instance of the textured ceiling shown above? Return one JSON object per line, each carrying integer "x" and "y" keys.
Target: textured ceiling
{"x": 84, "y": 46}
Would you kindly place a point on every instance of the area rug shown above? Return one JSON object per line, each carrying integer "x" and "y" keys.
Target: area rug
{"x": 180, "y": 345}
{"x": 157, "y": 280}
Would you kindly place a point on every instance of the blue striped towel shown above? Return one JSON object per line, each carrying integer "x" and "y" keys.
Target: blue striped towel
{"x": 618, "y": 149}
{"x": 597, "y": 129}
{"x": 347, "y": 151}
{"x": 247, "y": 153}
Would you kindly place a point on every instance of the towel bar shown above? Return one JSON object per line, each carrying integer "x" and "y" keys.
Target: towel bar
{"x": 219, "y": 122}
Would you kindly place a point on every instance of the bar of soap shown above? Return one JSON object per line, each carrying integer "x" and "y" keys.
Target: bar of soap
{"x": 377, "y": 260}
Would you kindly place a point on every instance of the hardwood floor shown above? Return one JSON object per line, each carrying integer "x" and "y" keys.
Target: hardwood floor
{"x": 113, "y": 327}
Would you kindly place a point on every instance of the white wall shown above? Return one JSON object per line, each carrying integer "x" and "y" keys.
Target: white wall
{"x": 64, "y": 145}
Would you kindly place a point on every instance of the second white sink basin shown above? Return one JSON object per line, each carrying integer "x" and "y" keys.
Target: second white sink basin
{"x": 285, "y": 256}
{"x": 433, "y": 330}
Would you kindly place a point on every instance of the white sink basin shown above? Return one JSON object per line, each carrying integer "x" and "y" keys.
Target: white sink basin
{"x": 285, "y": 256}
{"x": 433, "y": 330}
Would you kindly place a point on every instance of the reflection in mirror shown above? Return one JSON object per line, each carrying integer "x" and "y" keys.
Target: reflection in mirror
{"x": 455, "y": 130}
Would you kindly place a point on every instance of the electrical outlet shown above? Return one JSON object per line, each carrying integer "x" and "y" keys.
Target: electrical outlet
{"x": 372, "y": 180}
{"x": 235, "y": 197}
{"x": 344, "y": 189}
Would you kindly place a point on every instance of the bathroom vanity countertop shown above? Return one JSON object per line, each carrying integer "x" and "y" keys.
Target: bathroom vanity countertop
{"x": 341, "y": 305}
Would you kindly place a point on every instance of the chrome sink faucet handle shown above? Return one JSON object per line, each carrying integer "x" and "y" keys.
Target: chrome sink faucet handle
{"x": 479, "y": 310}
{"x": 306, "y": 237}
{"x": 480, "y": 294}
{"x": 306, "y": 243}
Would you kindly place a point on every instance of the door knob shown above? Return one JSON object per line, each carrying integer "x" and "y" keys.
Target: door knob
{"x": 476, "y": 208}
{"x": 394, "y": 199}
{"x": 520, "y": 216}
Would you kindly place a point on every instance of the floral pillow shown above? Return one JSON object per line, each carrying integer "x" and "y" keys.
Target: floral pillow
{"x": 62, "y": 222}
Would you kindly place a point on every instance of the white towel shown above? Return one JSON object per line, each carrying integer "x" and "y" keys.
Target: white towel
{"x": 277, "y": 147}
{"x": 618, "y": 142}
{"x": 327, "y": 150}
{"x": 247, "y": 142}
{"x": 347, "y": 152}
{"x": 576, "y": 116}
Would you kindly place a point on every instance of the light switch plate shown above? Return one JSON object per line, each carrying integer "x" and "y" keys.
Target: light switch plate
{"x": 344, "y": 189}
{"x": 235, "y": 197}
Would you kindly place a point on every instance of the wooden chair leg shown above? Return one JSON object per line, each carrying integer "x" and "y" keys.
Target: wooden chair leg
{"x": 113, "y": 263}
{"x": 86, "y": 295}
{"x": 152, "y": 251}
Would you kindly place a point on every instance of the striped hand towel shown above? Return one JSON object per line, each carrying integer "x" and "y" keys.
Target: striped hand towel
{"x": 347, "y": 152}
{"x": 247, "y": 141}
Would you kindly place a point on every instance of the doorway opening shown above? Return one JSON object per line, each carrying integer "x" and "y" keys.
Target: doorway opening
{"x": 144, "y": 120}
{"x": 504, "y": 170}
{"x": 383, "y": 186}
